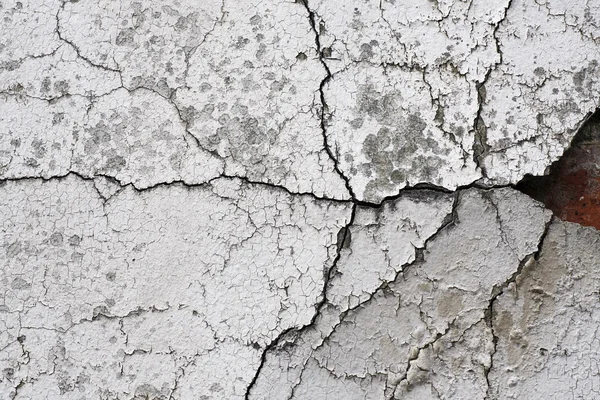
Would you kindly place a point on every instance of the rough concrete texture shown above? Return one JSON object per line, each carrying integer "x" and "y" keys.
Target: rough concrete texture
{"x": 302, "y": 199}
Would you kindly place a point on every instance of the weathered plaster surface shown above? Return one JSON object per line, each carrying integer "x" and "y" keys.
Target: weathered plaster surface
{"x": 188, "y": 275}
{"x": 422, "y": 329}
{"x": 546, "y": 321}
{"x": 293, "y": 200}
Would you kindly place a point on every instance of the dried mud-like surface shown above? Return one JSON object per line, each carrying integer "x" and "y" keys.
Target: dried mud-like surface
{"x": 299, "y": 200}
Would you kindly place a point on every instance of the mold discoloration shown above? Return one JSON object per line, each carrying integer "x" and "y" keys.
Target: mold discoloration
{"x": 113, "y": 138}
{"x": 389, "y": 115}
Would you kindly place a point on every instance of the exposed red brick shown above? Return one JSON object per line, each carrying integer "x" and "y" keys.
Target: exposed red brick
{"x": 572, "y": 189}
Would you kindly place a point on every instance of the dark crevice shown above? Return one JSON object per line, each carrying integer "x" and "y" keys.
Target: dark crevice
{"x": 343, "y": 240}
{"x": 415, "y": 357}
{"x": 571, "y": 188}
{"x": 480, "y": 146}
{"x": 428, "y": 186}
{"x": 418, "y": 188}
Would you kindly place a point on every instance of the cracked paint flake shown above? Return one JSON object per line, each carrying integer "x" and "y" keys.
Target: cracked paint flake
{"x": 223, "y": 97}
{"x": 543, "y": 90}
{"x": 533, "y": 70}
{"x": 427, "y": 305}
{"x": 77, "y": 264}
{"x": 396, "y": 134}
{"x": 294, "y": 200}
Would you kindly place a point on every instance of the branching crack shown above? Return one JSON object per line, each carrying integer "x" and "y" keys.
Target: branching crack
{"x": 62, "y": 38}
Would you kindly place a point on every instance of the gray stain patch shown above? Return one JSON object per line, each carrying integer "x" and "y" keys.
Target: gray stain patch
{"x": 402, "y": 148}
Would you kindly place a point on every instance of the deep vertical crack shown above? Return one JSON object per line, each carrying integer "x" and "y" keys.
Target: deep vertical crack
{"x": 324, "y": 108}
{"x": 497, "y": 291}
{"x": 343, "y": 239}
{"x": 480, "y": 145}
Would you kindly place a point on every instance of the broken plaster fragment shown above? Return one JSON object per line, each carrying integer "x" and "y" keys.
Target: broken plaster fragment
{"x": 528, "y": 71}
{"x": 221, "y": 199}
{"x": 545, "y": 87}
{"x": 572, "y": 187}
{"x": 250, "y": 99}
{"x": 434, "y": 301}
{"x": 388, "y": 132}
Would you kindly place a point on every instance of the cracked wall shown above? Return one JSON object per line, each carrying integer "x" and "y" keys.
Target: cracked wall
{"x": 299, "y": 200}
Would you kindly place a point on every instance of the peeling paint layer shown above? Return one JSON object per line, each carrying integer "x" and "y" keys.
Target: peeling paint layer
{"x": 297, "y": 200}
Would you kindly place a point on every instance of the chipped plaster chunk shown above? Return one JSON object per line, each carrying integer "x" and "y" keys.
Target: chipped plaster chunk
{"x": 240, "y": 80}
{"x": 387, "y": 128}
{"x": 546, "y": 85}
{"x": 533, "y": 65}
